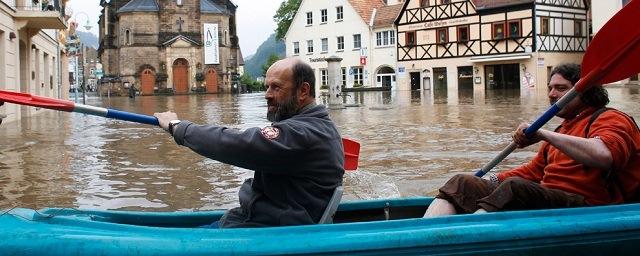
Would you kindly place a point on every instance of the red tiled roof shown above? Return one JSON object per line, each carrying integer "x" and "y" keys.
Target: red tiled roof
{"x": 386, "y": 15}
{"x": 365, "y": 8}
{"x": 488, "y": 4}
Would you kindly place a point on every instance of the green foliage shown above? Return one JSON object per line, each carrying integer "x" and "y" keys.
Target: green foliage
{"x": 252, "y": 84}
{"x": 284, "y": 16}
{"x": 357, "y": 85}
{"x": 272, "y": 59}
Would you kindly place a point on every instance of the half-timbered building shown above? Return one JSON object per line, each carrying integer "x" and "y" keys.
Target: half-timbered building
{"x": 471, "y": 46}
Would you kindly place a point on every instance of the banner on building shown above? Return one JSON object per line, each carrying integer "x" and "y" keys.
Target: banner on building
{"x": 211, "y": 50}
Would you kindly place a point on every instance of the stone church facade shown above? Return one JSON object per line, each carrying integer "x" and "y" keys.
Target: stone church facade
{"x": 157, "y": 46}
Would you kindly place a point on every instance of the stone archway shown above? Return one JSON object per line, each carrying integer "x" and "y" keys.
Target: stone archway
{"x": 181, "y": 76}
{"x": 147, "y": 81}
{"x": 212, "y": 81}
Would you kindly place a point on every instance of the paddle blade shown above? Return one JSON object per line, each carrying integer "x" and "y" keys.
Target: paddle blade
{"x": 619, "y": 36}
{"x": 36, "y": 101}
{"x": 351, "y": 154}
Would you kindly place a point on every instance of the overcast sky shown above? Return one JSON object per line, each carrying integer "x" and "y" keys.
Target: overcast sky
{"x": 254, "y": 18}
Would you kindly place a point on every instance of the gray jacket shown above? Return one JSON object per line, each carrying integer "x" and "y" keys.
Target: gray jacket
{"x": 298, "y": 162}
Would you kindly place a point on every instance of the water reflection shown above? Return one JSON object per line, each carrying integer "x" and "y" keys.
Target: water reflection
{"x": 412, "y": 141}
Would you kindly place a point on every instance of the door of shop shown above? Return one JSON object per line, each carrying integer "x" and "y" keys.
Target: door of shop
{"x": 506, "y": 76}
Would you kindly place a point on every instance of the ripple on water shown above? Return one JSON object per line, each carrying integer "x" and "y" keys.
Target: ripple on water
{"x": 412, "y": 142}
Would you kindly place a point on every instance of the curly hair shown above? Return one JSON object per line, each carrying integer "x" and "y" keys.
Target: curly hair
{"x": 596, "y": 96}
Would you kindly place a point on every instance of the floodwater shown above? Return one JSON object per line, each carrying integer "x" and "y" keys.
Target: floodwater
{"x": 412, "y": 142}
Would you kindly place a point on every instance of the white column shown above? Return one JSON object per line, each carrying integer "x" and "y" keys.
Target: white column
{"x": 335, "y": 82}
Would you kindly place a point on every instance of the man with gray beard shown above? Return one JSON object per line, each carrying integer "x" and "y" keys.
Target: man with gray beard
{"x": 298, "y": 160}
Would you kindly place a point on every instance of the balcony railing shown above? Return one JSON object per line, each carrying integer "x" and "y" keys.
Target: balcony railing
{"x": 40, "y": 16}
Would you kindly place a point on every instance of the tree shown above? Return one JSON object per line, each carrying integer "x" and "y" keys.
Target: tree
{"x": 284, "y": 16}
{"x": 252, "y": 84}
{"x": 272, "y": 59}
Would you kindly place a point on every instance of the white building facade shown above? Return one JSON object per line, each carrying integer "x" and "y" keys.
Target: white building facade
{"x": 30, "y": 51}
{"x": 359, "y": 32}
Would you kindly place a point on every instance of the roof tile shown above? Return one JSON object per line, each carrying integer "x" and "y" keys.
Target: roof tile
{"x": 365, "y": 7}
{"x": 386, "y": 15}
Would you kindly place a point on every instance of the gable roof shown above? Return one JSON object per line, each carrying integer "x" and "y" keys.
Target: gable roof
{"x": 386, "y": 15}
{"x": 139, "y": 6}
{"x": 364, "y": 8}
{"x": 180, "y": 37}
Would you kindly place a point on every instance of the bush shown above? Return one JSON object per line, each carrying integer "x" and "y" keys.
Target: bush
{"x": 357, "y": 85}
{"x": 324, "y": 87}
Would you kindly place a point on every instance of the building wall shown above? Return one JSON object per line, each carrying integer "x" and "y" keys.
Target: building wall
{"x": 602, "y": 11}
{"x": 351, "y": 24}
{"x": 32, "y": 68}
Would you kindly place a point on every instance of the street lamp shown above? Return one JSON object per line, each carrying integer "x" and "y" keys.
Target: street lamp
{"x": 88, "y": 27}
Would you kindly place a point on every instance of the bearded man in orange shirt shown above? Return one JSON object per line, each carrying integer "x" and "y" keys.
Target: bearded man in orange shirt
{"x": 593, "y": 158}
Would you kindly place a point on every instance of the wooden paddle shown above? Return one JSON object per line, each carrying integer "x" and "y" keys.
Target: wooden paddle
{"x": 351, "y": 148}
{"x": 613, "y": 55}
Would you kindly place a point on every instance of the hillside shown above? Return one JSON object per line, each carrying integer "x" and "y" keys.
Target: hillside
{"x": 88, "y": 39}
{"x": 253, "y": 65}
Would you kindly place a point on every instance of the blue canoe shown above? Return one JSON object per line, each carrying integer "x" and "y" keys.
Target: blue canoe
{"x": 373, "y": 227}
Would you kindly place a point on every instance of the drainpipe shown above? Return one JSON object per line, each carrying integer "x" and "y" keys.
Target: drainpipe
{"x": 58, "y": 61}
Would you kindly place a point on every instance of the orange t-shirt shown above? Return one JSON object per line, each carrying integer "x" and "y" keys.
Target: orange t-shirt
{"x": 621, "y": 136}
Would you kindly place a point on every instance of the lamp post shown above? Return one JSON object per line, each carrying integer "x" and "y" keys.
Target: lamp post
{"x": 87, "y": 27}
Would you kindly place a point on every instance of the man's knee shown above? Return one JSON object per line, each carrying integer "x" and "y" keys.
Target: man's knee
{"x": 516, "y": 185}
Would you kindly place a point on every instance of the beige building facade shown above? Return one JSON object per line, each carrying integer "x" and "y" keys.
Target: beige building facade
{"x": 31, "y": 52}
{"x": 159, "y": 47}
{"x": 467, "y": 48}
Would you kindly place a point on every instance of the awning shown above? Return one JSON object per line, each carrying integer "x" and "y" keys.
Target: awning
{"x": 501, "y": 57}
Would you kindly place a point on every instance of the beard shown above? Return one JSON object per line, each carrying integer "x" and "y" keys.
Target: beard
{"x": 284, "y": 110}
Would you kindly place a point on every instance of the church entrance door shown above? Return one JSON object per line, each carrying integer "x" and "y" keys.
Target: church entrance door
{"x": 212, "y": 81}
{"x": 180, "y": 77}
{"x": 148, "y": 81}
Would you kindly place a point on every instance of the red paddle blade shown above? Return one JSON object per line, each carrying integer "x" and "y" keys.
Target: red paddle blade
{"x": 351, "y": 154}
{"x": 616, "y": 46}
{"x": 36, "y": 101}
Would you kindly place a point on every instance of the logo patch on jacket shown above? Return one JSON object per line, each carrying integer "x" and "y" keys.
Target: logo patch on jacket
{"x": 270, "y": 132}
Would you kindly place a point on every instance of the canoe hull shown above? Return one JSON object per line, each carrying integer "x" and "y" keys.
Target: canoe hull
{"x": 611, "y": 230}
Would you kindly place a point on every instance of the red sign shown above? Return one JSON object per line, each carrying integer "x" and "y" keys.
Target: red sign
{"x": 363, "y": 61}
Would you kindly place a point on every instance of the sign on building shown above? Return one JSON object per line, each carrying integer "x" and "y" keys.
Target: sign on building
{"x": 211, "y": 51}
{"x": 363, "y": 61}
{"x": 363, "y": 52}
